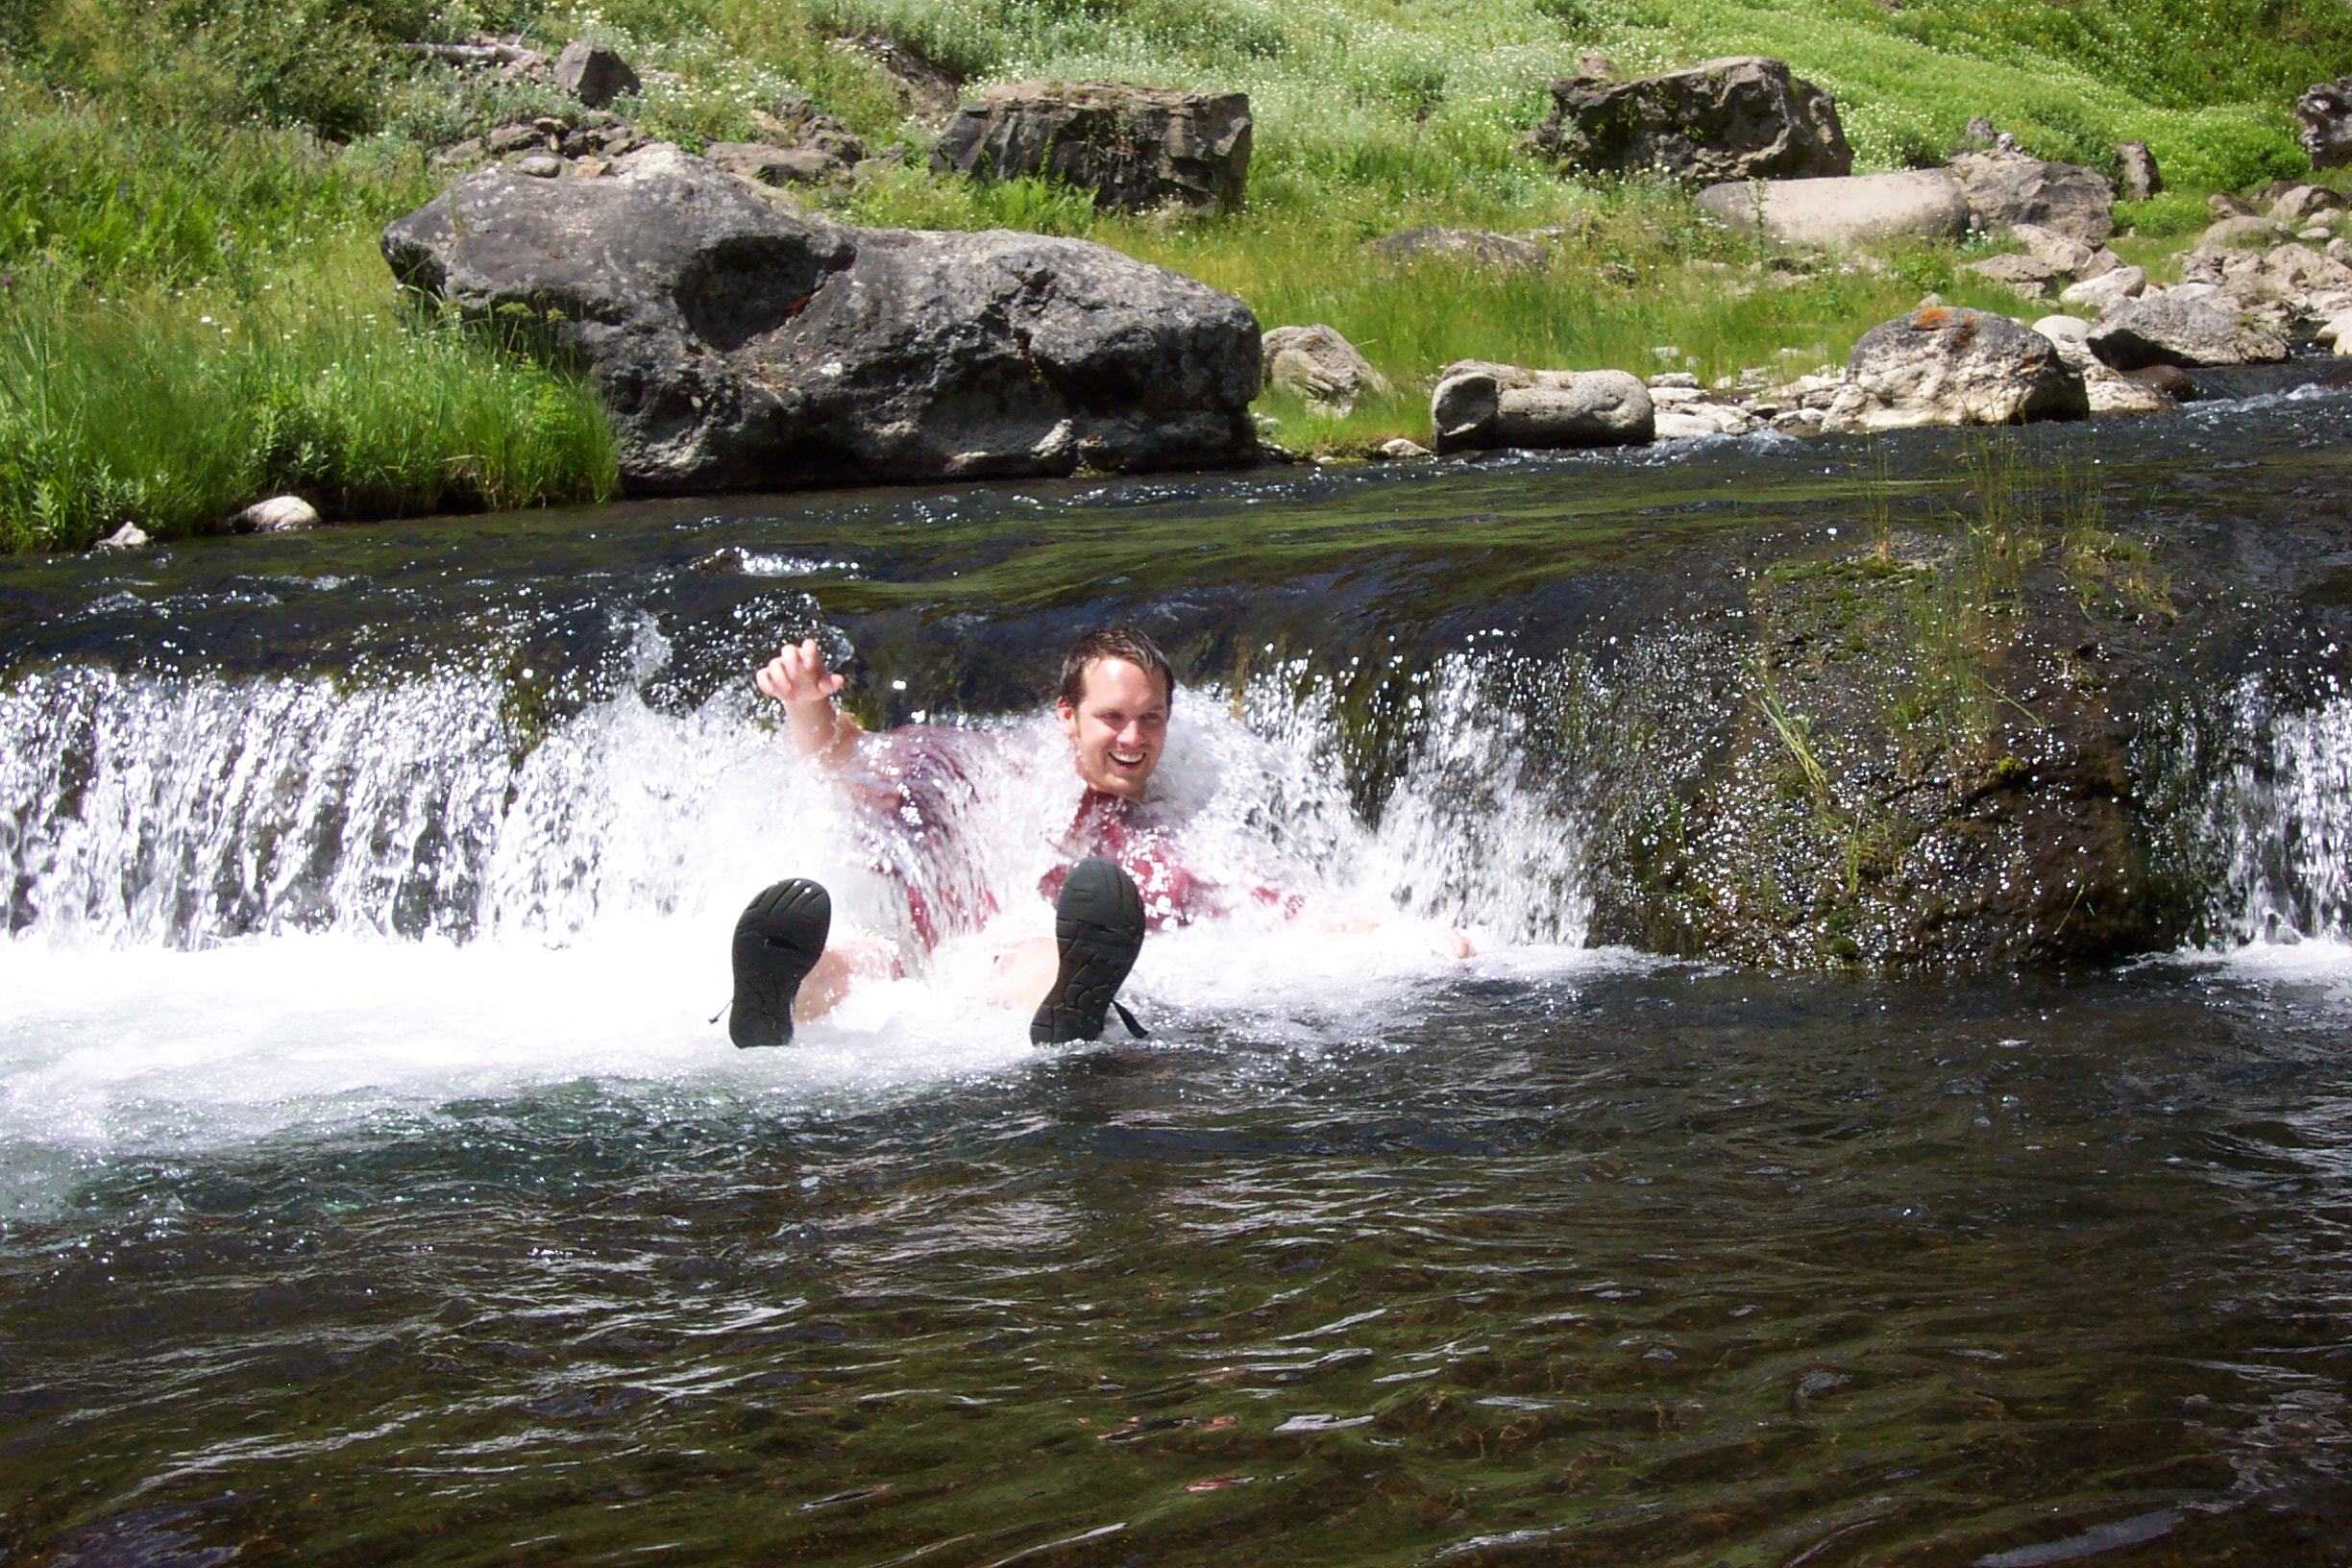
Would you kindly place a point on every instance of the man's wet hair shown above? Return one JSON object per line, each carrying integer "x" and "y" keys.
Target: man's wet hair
{"x": 1114, "y": 643}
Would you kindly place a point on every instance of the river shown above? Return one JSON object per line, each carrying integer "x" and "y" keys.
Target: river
{"x": 375, "y": 1186}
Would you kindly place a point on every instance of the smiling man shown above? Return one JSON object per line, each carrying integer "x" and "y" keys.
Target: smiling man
{"x": 1116, "y": 875}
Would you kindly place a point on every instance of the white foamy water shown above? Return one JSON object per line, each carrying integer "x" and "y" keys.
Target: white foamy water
{"x": 251, "y": 908}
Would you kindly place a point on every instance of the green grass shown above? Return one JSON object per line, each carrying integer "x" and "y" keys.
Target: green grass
{"x": 174, "y": 409}
{"x": 163, "y": 160}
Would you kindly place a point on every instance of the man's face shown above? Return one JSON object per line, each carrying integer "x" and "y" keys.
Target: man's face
{"x": 1117, "y": 727}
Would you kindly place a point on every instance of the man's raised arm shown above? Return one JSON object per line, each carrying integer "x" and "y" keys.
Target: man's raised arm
{"x": 797, "y": 678}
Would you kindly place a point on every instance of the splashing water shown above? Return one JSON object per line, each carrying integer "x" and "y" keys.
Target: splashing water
{"x": 246, "y": 905}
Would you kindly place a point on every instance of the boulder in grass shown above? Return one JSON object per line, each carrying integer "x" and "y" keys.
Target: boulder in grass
{"x": 738, "y": 342}
{"x": 2106, "y": 291}
{"x": 1319, "y": 365}
{"x": 1947, "y": 366}
{"x": 1133, "y": 148}
{"x": 1839, "y": 215}
{"x": 2325, "y": 110}
{"x": 2302, "y": 203}
{"x": 2007, "y": 188}
{"x": 2140, "y": 179}
{"x": 594, "y": 74}
{"x": 2247, "y": 233}
{"x": 1743, "y": 117}
{"x": 2028, "y": 275}
{"x": 778, "y": 166}
{"x": 1478, "y": 247}
{"x": 1477, "y": 405}
{"x": 2178, "y": 327}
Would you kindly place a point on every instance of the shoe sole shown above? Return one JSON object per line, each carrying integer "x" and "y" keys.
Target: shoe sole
{"x": 1098, "y": 926}
{"x": 778, "y": 939}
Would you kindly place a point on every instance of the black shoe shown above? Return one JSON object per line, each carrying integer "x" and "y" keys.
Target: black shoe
{"x": 1098, "y": 924}
{"x": 778, "y": 939}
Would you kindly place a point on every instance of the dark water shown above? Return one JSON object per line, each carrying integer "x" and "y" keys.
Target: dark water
{"x": 360, "y": 1211}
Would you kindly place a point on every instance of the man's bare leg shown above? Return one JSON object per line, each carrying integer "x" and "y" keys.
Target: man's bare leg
{"x": 1024, "y": 973}
{"x": 838, "y": 967}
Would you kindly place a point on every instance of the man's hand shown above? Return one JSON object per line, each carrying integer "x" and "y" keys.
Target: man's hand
{"x": 798, "y": 678}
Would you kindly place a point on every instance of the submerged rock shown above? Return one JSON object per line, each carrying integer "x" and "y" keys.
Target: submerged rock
{"x": 1133, "y": 148}
{"x": 1742, "y": 117}
{"x": 1863, "y": 776}
{"x": 738, "y": 342}
{"x": 1482, "y": 406}
{"x": 1840, "y": 213}
{"x": 1947, "y": 366}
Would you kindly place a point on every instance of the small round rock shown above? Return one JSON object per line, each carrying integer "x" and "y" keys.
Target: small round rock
{"x": 278, "y": 514}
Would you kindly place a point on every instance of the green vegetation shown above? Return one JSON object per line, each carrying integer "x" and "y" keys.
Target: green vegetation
{"x": 166, "y": 161}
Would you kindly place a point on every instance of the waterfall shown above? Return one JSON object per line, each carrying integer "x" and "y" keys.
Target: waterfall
{"x": 2281, "y": 823}
{"x": 183, "y": 812}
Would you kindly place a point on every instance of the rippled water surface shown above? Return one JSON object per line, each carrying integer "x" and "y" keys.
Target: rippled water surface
{"x": 373, "y": 1186}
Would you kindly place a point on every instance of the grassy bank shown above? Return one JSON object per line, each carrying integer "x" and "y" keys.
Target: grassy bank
{"x": 194, "y": 315}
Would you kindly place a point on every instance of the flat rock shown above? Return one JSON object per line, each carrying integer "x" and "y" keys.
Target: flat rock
{"x": 778, "y": 166}
{"x": 2245, "y": 234}
{"x": 1133, "y": 148}
{"x": 1398, "y": 449}
{"x": 2173, "y": 328}
{"x": 1742, "y": 117}
{"x": 1839, "y": 215}
{"x": 2063, "y": 252}
{"x": 1479, "y": 404}
{"x": 1479, "y": 247}
{"x": 2028, "y": 275}
{"x": 1947, "y": 366}
{"x": 1319, "y": 365}
{"x": 2106, "y": 290}
{"x": 739, "y": 342}
{"x": 2008, "y": 189}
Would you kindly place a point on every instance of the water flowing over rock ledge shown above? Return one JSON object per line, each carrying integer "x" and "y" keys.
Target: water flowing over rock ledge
{"x": 2044, "y": 698}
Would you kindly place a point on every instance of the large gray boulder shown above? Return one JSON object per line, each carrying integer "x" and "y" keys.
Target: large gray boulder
{"x": 1839, "y": 215}
{"x": 738, "y": 342}
{"x": 1478, "y": 405}
{"x": 1319, "y": 365}
{"x": 2325, "y": 110}
{"x": 1744, "y": 117}
{"x": 1945, "y": 366}
{"x": 1133, "y": 148}
{"x": 2005, "y": 189}
{"x": 2178, "y": 327}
